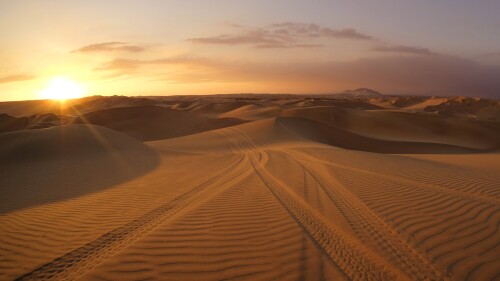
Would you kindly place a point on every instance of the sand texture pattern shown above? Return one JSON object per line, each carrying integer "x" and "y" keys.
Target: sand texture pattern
{"x": 251, "y": 190}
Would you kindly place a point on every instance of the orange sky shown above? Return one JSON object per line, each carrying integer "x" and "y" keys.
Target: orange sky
{"x": 157, "y": 47}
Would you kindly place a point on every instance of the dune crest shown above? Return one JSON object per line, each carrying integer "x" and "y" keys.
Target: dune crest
{"x": 48, "y": 165}
{"x": 149, "y": 123}
{"x": 252, "y": 187}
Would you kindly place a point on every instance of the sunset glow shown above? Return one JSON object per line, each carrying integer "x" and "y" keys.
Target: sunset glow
{"x": 61, "y": 88}
{"x": 258, "y": 140}
{"x": 234, "y": 46}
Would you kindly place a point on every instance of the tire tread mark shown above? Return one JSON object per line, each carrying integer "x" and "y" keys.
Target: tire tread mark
{"x": 427, "y": 186}
{"x": 369, "y": 226}
{"x": 84, "y": 258}
{"x": 346, "y": 254}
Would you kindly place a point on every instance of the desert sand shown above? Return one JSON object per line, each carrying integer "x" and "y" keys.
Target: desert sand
{"x": 250, "y": 187}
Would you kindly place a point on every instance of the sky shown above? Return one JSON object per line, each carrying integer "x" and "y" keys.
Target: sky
{"x": 170, "y": 47}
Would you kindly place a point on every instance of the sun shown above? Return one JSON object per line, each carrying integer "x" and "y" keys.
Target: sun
{"x": 60, "y": 88}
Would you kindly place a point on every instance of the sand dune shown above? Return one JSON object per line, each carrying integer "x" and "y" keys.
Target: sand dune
{"x": 408, "y": 101}
{"x": 46, "y": 165}
{"x": 402, "y": 126}
{"x": 220, "y": 107}
{"x": 356, "y": 104}
{"x": 299, "y": 193}
{"x": 71, "y": 107}
{"x": 152, "y": 123}
{"x": 253, "y": 113}
{"x": 469, "y": 107}
{"x": 341, "y": 138}
{"x": 10, "y": 123}
{"x": 38, "y": 121}
{"x": 185, "y": 105}
{"x": 477, "y": 161}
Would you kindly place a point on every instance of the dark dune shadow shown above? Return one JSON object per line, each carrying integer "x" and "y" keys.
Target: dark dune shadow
{"x": 49, "y": 165}
{"x": 406, "y": 126}
{"x": 344, "y": 139}
{"x": 149, "y": 123}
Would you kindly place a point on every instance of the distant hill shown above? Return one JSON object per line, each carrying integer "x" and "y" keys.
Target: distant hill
{"x": 361, "y": 92}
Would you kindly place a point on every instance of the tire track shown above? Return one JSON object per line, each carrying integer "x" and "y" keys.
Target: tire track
{"x": 417, "y": 264}
{"x": 86, "y": 257}
{"x": 242, "y": 230}
{"x": 369, "y": 226}
{"x": 452, "y": 231}
{"x": 354, "y": 262}
{"x": 457, "y": 178}
{"x": 400, "y": 180}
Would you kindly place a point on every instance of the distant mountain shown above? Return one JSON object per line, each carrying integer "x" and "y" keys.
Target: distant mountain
{"x": 362, "y": 92}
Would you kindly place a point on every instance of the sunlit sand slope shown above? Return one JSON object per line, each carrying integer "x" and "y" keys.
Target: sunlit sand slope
{"x": 263, "y": 201}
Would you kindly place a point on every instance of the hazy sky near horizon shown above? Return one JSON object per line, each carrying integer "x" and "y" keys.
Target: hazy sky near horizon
{"x": 154, "y": 47}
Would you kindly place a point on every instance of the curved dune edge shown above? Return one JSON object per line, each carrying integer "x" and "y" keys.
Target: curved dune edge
{"x": 264, "y": 200}
{"x": 406, "y": 127}
{"x": 288, "y": 130}
{"x": 59, "y": 163}
{"x": 344, "y": 139}
{"x": 148, "y": 123}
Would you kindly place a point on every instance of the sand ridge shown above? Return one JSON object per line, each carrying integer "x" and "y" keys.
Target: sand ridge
{"x": 299, "y": 190}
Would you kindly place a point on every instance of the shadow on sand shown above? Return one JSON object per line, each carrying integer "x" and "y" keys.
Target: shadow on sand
{"x": 330, "y": 135}
{"x": 50, "y": 165}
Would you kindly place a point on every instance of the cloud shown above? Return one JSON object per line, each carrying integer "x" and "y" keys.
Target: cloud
{"x": 311, "y": 30}
{"x": 15, "y": 78}
{"x": 121, "y": 67}
{"x": 109, "y": 47}
{"x": 250, "y": 37}
{"x": 416, "y": 75}
{"x": 402, "y": 50}
{"x": 131, "y": 64}
{"x": 432, "y": 74}
{"x": 276, "y": 46}
{"x": 282, "y": 35}
{"x": 119, "y": 64}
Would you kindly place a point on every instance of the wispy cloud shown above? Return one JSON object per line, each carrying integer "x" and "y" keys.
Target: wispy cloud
{"x": 311, "y": 30}
{"x": 277, "y": 46}
{"x": 119, "y": 64}
{"x": 15, "y": 78}
{"x": 435, "y": 74}
{"x": 122, "y": 67}
{"x": 418, "y": 75}
{"x": 402, "y": 50}
{"x": 282, "y": 35}
{"x": 109, "y": 47}
{"x": 131, "y": 64}
{"x": 256, "y": 37}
